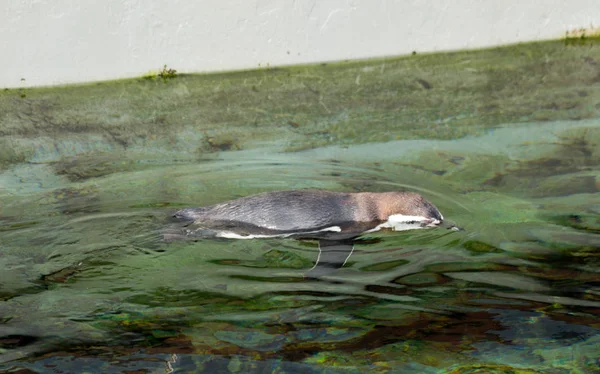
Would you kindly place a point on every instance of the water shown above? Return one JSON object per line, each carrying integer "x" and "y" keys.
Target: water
{"x": 88, "y": 285}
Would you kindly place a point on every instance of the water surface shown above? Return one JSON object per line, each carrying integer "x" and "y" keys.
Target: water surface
{"x": 90, "y": 176}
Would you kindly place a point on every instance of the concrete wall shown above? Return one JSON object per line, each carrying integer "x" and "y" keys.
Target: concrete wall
{"x": 46, "y": 42}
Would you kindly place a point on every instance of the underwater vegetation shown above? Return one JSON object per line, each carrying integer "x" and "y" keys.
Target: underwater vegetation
{"x": 505, "y": 141}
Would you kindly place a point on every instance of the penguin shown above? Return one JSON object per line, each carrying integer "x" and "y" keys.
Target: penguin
{"x": 335, "y": 219}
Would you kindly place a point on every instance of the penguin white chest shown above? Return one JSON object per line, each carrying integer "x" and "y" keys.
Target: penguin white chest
{"x": 400, "y": 222}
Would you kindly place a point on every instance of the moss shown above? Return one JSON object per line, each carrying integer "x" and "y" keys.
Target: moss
{"x": 434, "y": 96}
{"x": 422, "y": 279}
{"x": 254, "y": 278}
{"x": 476, "y": 247}
{"x": 167, "y": 73}
{"x": 282, "y": 259}
{"x": 160, "y": 204}
{"x": 449, "y": 267}
{"x": 165, "y": 296}
{"x": 578, "y": 221}
{"x": 61, "y": 276}
{"x": 91, "y": 166}
{"x": 222, "y": 143}
{"x": 383, "y": 266}
{"x": 582, "y": 37}
{"x": 12, "y": 152}
{"x": 491, "y": 369}
{"x": 72, "y": 200}
{"x": 272, "y": 259}
{"x": 164, "y": 74}
{"x": 15, "y": 341}
{"x": 18, "y": 225}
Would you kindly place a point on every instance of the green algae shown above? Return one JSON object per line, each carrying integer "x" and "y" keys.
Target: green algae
{"x": 18, "y": 226}
{"x": 12, "y": 153}
{"x": 465, "y": 266}
{"x": 478, "y": 247}
{"x": 269, "y": 279}
{"x": 435, "y": 96}
{"x": 382, "y": 266}
{"x": 272, "y": 259}
{"x": 491, "y": 369}
{"x": 522, "y": 203}
{"x": 421, "y": 279}
{"x": 165, "y": 296}
{"x": 582, "y": 37}
{"x": 580, "y": 222}
{"x": 282, "y": 259}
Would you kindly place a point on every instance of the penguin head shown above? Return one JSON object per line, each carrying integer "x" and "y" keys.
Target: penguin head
{"x": 408, "y": 210}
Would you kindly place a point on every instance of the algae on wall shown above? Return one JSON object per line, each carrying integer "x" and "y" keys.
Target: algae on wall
{"x": 433, "y": 96}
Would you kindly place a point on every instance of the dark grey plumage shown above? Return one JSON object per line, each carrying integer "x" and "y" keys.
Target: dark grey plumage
{"x": 335, "y": 218}
{"x": 305, "y": 213}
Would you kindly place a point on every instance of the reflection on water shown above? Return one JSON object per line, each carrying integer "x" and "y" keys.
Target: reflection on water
{"x": 88, "y": 283}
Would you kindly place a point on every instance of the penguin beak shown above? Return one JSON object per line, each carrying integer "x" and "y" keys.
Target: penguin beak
{"x": 431, "y": 223}
{"x": 451, "y": 226}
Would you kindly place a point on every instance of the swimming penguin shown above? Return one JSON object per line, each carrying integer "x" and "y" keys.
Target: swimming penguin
{"x": 334, "y": 218}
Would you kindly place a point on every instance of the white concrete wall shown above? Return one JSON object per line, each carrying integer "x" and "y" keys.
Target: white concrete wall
{"x": 48, "y": 42}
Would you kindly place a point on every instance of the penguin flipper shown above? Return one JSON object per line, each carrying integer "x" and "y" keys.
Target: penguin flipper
{"x": 333, "y": 254}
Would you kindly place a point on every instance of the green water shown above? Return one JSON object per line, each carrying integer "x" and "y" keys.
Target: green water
{"x": 506, "y": 143}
